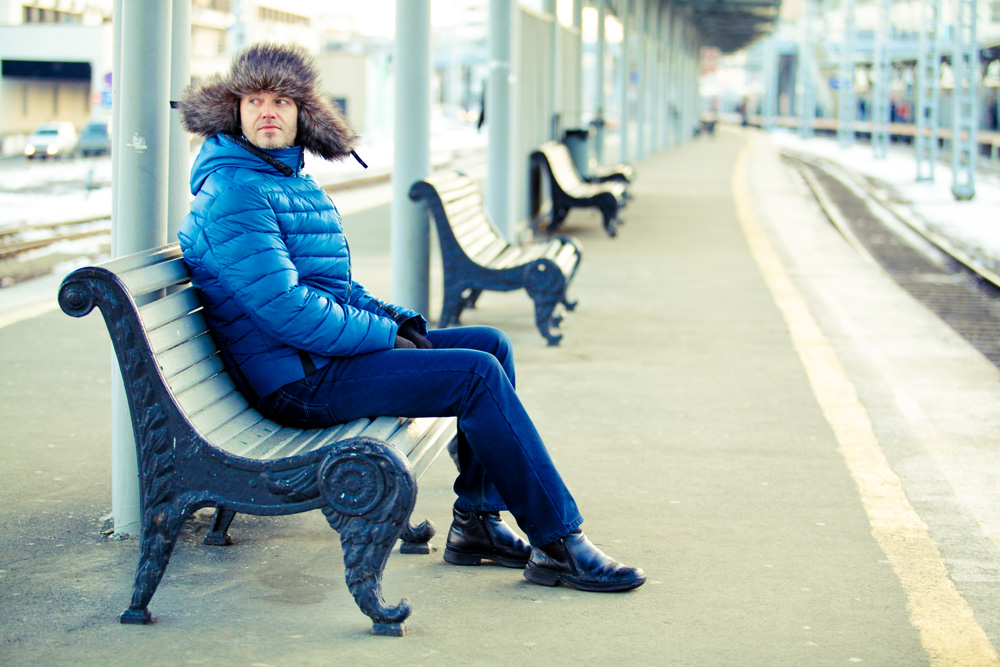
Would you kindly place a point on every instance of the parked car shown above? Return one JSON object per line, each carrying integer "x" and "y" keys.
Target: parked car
{"x": 52, "y": 140}
{"x": 95, "y": 138}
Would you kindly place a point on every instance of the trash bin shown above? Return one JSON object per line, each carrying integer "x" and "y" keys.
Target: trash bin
{"x": 577, "y": 140}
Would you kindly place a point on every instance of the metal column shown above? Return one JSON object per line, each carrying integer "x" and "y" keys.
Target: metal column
{"x": 578, "y": 24}
{"x": 410, "y": 229}
{"x": 624, "y": 76}
{"x": 599, "y": 71}
{"x": 657, "y": 79}
{"x": 770, "y": 110}
{"x": 676, "y": 75}
{"x": 179, "y": 199}
{"x": 928, "y": 88}
{"x": 847, "y": 107}
{"x": 965, "y": 63}
{"x": 499, "y": 92}
{"x": 805, "y": 87}
{"x": 641, "y": 80}
{"x": 140, "y": 191}
{"x": 558, "y": 105}
{"x": 880, "y": 92}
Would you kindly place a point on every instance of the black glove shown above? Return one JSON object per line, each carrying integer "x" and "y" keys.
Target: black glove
{"x": 403, "y": 344}
{"x": 410, "y": 332}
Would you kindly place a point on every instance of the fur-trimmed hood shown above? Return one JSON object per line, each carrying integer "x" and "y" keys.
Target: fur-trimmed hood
{"x": 213, "y": 106}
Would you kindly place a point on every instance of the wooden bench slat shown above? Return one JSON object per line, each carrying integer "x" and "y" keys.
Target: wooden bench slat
{"x": 423, "y": 453}
{"x": 225, "y": 433}
{"x": 271, "y": 442}
{"x": 487, "y": 254}
{"x": 198, "y": 397}
{"x": 185, "y": 355}
{"x": 179, "y": 331}
{"x": 246, "y": 441}
{"x": 474, "y": 235}
{"x": 219, "y": 412}
{"x": 485, "y": 248}
{"x": 169, "y": 308}
{"x": 142, "y": 259}
{"x": 151, "y": 278}
{"x": 303, "y": 441}
{"x": 196, "y": 374}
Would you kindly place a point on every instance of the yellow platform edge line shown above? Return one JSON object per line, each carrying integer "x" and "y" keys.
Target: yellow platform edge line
{"x": 946, "y": 624}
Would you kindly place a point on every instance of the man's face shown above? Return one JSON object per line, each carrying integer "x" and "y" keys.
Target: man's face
{"x": 269, "y": 121}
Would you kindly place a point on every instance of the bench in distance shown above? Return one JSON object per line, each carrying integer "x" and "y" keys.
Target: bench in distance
{"x": 569, "y": 190}
{"x": 476, "y": 256}
{"x": 200, "y": 444}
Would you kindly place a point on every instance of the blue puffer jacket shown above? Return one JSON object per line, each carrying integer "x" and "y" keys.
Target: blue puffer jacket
{"x": 268, "y": 254}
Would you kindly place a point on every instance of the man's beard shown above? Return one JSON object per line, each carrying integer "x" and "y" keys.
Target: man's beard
{"x": 275, "y": 143}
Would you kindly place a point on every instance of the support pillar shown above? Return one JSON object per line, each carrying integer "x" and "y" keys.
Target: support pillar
{"x": 880, "y": 92}
{"x": 805, "y": 91}
{"x": 965, "y": 63}
{"x": 624, "y": 75}
{"x": 499, "y": 119}
{"x": 140, "y": 193}
{"x": 641, "y": 17}
{"x": 928, "y": 88}
{"x": 847, "y": 108}
{"x": 557, "y": 104}
{"x": 409, "y": 244}
{"x": 178, "y": 202}
{"x": 599, "y": 72}
{"x": 770, "y": 111}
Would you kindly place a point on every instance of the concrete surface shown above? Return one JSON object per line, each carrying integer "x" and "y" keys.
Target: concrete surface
{"x": 683, "y": 409}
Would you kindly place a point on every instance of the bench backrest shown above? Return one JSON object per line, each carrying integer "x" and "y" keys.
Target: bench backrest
{"x": 463, "y": 223}
{"x": 561, "y": 165}
{"x": 156, "y": 286}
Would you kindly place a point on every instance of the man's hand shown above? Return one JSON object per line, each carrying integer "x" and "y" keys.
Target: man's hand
{"x": 403, "y": 344}
{"x": 408, "y": 330}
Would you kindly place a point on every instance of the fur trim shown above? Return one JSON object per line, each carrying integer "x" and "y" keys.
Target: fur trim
{"x": 213, "y": 107}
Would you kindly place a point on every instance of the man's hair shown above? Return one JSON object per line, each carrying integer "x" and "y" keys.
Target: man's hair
{"x": 213, "y": 106}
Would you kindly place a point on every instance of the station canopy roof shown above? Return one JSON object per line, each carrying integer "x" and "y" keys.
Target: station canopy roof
{"x": 729, "y": 25}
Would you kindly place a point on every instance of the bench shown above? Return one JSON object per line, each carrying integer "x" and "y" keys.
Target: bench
{"x": 620, "y": 172}
{"x": 200, "y": 443}
{"x": 476, "y": 256}
{"x": 569, "y": 190}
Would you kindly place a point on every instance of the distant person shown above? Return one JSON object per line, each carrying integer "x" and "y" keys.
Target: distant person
{"x": 310, "y": 347}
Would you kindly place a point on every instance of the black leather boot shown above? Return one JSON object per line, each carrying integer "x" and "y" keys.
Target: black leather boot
{"x": 475, "y": 536}
{"x": 574, "y": 560}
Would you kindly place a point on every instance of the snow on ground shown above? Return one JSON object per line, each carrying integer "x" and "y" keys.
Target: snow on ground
{"x": 971, "y": 225}
{"x": 49, "y": 191}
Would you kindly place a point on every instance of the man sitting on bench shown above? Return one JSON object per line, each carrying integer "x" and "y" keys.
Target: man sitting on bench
{"x": 310, "y": 347}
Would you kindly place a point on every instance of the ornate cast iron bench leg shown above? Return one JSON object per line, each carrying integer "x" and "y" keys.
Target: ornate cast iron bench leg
{"x": 370, "y": 492}
{"x": 218, "y": 534}
{"x": 161, "y": 524}
{"x": 546, "y": 286}
{"x": 417, "y": 539}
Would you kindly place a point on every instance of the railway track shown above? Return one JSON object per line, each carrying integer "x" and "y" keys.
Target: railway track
{"x": 23, "y": 238}
{"x": 961, "y": 288}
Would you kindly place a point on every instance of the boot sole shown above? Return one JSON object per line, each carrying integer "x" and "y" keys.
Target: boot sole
{"x": 463, "y": 558}
{"x": 548, "y": 578}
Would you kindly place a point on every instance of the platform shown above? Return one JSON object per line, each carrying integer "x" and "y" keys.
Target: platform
{"x": 801, "y": 457}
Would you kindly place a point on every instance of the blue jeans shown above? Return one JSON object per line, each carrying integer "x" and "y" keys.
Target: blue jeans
{"x": 469, "y": 374}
